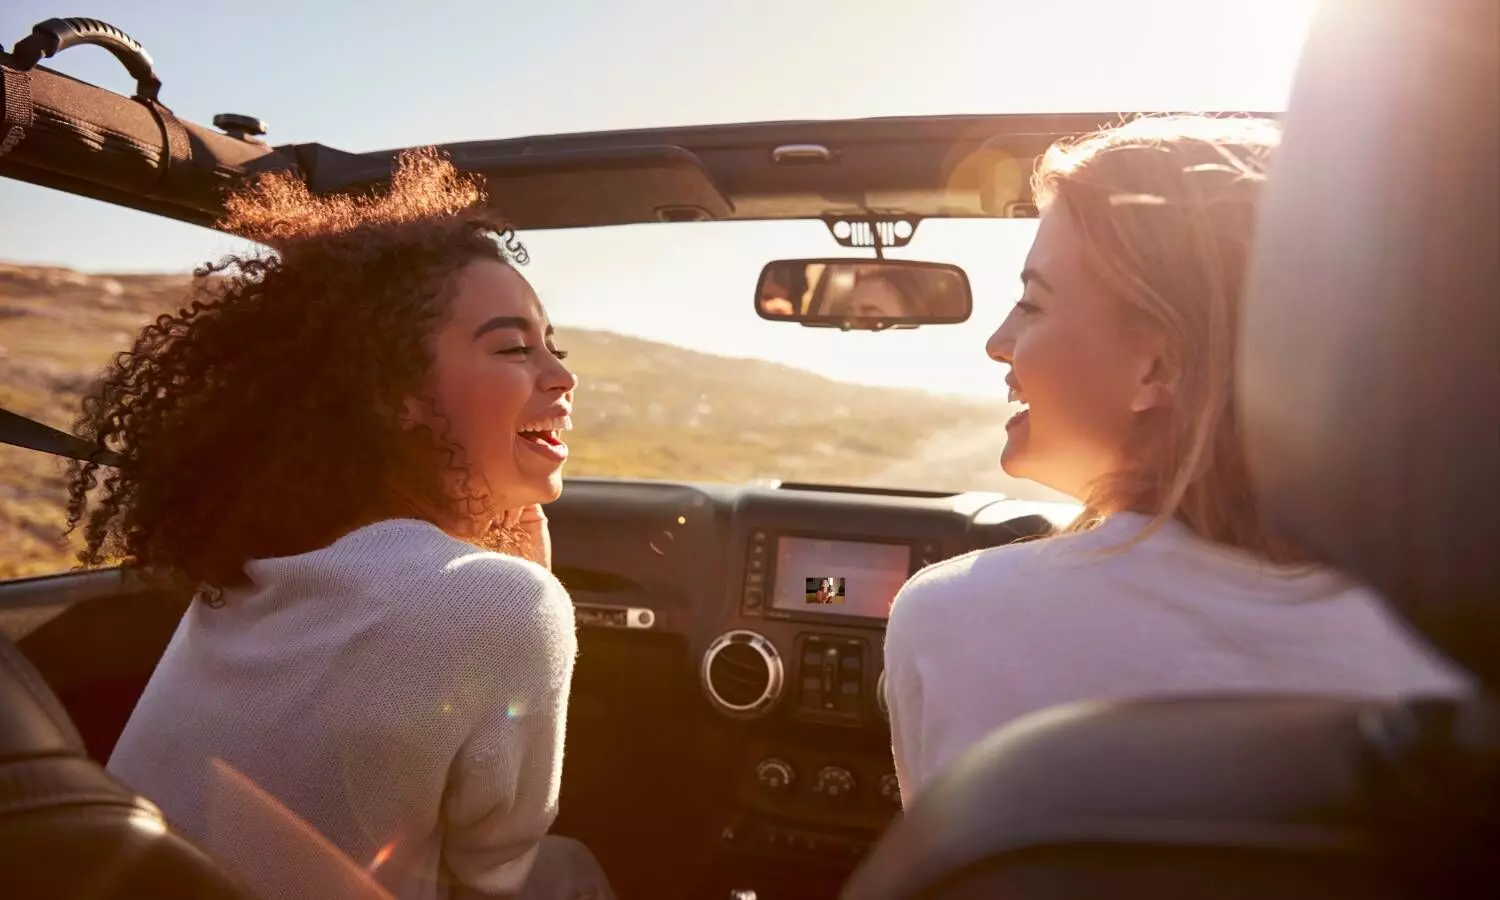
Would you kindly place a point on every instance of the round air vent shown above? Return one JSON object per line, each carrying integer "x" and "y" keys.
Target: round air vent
{"x": 742, "y": 674}
{"x": 885, "y": 708}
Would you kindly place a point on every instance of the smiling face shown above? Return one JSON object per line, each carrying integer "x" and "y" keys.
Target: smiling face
{"x": 1083, "y": 374}
{"x": 500, "y": 389}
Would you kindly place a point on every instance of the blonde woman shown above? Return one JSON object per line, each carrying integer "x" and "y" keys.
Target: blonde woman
{"x": 1122, "y": 349}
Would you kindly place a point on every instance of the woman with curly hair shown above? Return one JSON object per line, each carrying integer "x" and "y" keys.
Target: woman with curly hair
{"x": 345, "y": 443}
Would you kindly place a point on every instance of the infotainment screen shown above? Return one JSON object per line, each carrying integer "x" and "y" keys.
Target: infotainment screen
{"x": 848, "y": 578}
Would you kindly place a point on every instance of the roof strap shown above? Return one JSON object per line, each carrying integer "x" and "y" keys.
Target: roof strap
{"x": 16, "y": 110}
{"x": 19, "y": 431}
{"x": 177, "y": 148}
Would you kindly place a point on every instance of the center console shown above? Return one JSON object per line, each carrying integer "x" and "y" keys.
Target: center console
{"x": 812, "y": 612}
{"x": 800, "y": 669}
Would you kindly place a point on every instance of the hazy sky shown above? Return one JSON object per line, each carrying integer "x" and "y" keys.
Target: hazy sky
{"x": 378, "y": 74}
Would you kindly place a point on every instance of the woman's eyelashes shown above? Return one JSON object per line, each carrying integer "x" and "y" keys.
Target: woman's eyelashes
{"x": 523, "y": 351}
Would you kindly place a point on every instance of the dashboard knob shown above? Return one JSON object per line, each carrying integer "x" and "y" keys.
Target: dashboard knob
{"x": 890, "y": 788}
{"x": 834, "y": 785}
{"x": 775, "y": 776}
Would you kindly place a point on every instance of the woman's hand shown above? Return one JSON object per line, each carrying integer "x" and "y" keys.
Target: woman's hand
{"x": 527, "y": 535}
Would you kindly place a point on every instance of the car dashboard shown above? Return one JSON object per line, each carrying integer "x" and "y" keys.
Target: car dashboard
{"x": 764, "y": 730}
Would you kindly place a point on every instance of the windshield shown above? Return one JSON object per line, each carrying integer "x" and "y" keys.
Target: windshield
{"x": 681, "y": 378}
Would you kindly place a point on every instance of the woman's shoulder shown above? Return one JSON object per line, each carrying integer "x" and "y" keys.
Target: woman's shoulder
{"x": 1120, "y": 561}
{"x": 1053, "y": 561}
{"x": 425, "y": 567}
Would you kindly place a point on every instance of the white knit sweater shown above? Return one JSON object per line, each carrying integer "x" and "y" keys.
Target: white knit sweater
{"x": 402, "y": 692}
{"x": 980, "y": 640}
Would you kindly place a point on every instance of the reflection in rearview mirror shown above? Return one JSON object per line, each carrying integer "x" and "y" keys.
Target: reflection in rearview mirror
{"x": 862, "y": 294}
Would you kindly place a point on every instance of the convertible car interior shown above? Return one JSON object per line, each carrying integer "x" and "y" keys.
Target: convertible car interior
{"x": 727, "y": 738}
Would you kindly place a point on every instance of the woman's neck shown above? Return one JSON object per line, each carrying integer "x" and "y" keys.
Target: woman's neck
{"x": 466, "y": 528}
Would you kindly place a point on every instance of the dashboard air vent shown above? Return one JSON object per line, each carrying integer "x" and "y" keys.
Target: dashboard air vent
{"x": 742, "y": 674}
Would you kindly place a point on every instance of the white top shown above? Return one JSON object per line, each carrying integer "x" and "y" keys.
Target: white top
{"x": 977, "y": 641}
{"x": 402, "y": 692}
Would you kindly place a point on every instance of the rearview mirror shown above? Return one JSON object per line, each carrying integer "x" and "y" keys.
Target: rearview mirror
{"x": 863, "y": 294}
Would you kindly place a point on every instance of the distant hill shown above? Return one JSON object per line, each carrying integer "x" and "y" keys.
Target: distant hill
{"x": 644, "y": 409}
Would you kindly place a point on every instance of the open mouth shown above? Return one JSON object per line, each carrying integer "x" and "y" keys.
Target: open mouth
{"x": 1015, "y": 396}
{"x": 546, "y": 435}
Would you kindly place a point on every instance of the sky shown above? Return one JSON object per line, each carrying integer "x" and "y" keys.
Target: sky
{"x": 379, "y": 74}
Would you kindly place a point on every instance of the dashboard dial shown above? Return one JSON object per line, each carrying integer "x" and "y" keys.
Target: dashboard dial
{"x": 775, "y": 776}
{"x": 835, "y": 785}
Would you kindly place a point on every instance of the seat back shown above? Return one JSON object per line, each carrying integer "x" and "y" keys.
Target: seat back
{"x": 1168, "y": 799}
{"x": 68, "y": 829}
{"x": 1370, "y": 358}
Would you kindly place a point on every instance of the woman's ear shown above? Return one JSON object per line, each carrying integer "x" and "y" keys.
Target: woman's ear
{"x": 1157, "y": 381}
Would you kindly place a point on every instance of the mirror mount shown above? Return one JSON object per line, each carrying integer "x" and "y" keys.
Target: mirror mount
{"x": 874, "y": 231}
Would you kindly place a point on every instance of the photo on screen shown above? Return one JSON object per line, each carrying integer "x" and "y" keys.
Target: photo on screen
{"x": 865, "y": 575}
{"x": 825, "y": 590}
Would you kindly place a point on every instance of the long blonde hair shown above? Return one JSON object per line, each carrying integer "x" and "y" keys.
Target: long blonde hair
{"x": 1166, "y": 209}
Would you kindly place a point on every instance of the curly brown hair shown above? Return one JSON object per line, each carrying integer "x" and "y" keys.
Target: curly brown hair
{"x": 259, "y": 420}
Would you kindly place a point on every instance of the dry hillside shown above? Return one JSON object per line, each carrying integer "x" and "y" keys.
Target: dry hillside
{"x": 644, "y": 409}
